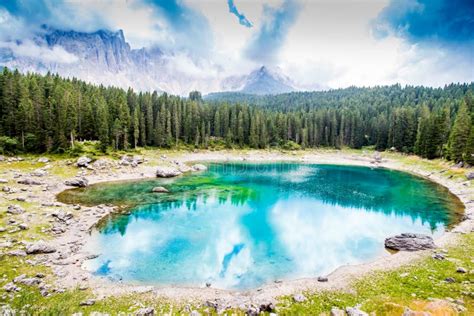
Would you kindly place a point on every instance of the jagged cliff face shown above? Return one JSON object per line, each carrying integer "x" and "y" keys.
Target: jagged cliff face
{"x": 104, "y": 57}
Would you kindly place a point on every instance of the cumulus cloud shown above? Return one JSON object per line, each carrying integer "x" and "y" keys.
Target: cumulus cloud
{"x": 28, "y": 48}
{"x": 271, "y": 36}
{"x": 242, "y": 19}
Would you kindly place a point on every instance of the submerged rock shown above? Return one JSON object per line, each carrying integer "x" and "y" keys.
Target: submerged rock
{"x": 167, "y": 172}
{"x": 160, "y": 190}
{"x": 410, "y": 242}
{"x": 77, "y": 182}
{"x": 39, "y": 247}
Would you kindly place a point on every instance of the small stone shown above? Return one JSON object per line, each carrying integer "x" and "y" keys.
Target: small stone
{"x": 337, "y": 312}
{"x": 11, "y": 287}
{"x": 322, "y": 279}
{"x": 43, "y": 159}
{"x": 147, "y": 311}
{"x": 299, "y": 298}
{"x": 439, "y": 256}
{"x": 450, "y": 280}
{"x": 88, "y": 302}
{"x": 194, "y": 313}
{"x": 199, "y": 167}
{"x": 29, "y": 182}
{"x": 39, "y": 247}
{"x": 3, "y": 181}
{"x": 15, "y": 209}
{"x": 23, "y": 226}
{"x": 470, "y": 175}
{"x": 83, "y": 161}
{"x": 167, "y": 172}
{"x": 354, "y": 311}
{"x": 461, "y": 270}
{"x": 77, "y": 182}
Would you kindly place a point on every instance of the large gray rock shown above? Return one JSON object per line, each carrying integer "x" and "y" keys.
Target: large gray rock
{"x": 83, "y": 161}
{"x": 167, "y": 172}
{"x": 77, "y": 182}
{"x": 39, "y": 247}
{"x": 409, "y": 242}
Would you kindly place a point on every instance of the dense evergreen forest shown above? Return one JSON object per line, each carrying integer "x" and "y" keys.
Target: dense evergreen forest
{"x": 50, "y": 114}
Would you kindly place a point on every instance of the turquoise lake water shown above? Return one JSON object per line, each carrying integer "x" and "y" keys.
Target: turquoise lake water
{"x": 238, "y": 226}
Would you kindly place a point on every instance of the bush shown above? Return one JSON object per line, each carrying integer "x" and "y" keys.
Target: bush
{"x": 8, "y": 145}
{"x": 291, "y": 145}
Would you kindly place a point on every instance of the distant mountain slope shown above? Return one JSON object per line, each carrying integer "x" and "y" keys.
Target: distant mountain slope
{"x": 262, "y": 81}
{"x": 105, "y": 57}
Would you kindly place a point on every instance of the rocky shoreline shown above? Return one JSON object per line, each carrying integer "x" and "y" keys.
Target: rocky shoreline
{"x": 70, "y": 226}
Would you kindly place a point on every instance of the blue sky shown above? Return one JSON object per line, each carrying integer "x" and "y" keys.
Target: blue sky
{"x": 316, "y": 42}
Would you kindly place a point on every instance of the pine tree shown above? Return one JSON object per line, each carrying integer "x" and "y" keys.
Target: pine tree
{"x": 103, "y": 124}
{"x": 460, "y": 133}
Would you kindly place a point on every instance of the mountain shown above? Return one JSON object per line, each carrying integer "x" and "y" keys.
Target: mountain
{"x": 261, "y": 81}
{"x": 101, "y": 57}
{"x": 105, "y": 57}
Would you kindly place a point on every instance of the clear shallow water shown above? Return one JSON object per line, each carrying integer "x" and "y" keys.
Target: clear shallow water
{"x": 243, "y": 225}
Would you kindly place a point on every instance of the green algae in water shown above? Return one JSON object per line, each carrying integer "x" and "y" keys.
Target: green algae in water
{"x": 244, "y": 225}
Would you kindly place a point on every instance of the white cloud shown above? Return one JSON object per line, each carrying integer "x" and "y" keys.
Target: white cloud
{"x": 28, "y": 48}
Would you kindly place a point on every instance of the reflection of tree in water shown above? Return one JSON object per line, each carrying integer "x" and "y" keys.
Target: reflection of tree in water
{"x": 153, "y": 211}
{"x": 379, "y": 190}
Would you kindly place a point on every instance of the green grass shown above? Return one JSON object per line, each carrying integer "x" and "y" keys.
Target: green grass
{"x": 388, "y": 293}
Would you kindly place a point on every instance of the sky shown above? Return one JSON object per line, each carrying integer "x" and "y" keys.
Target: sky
{"x": 317, "y": 43}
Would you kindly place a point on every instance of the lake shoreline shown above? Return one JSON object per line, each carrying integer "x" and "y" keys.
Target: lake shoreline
{"x": 68, "y": 265}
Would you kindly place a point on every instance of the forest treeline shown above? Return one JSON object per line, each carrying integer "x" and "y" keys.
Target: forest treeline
{"x": 50, "y": 114}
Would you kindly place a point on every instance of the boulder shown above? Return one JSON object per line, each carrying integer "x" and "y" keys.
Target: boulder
{"x": 15, "y": 209}
{"x": 29, "y": 182}
{"x": 167, "y": 172}
{"x": 39, "y": 247}
{"x": 199, "y": 167}
{"x": 43, "y": 159}
{"x": 83, "y": 161}
{"x": 160, "y": 190}
{"x": 77, "y": 182}
{"x": 409, "y": 242}
{"x": 470, "y": 175}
